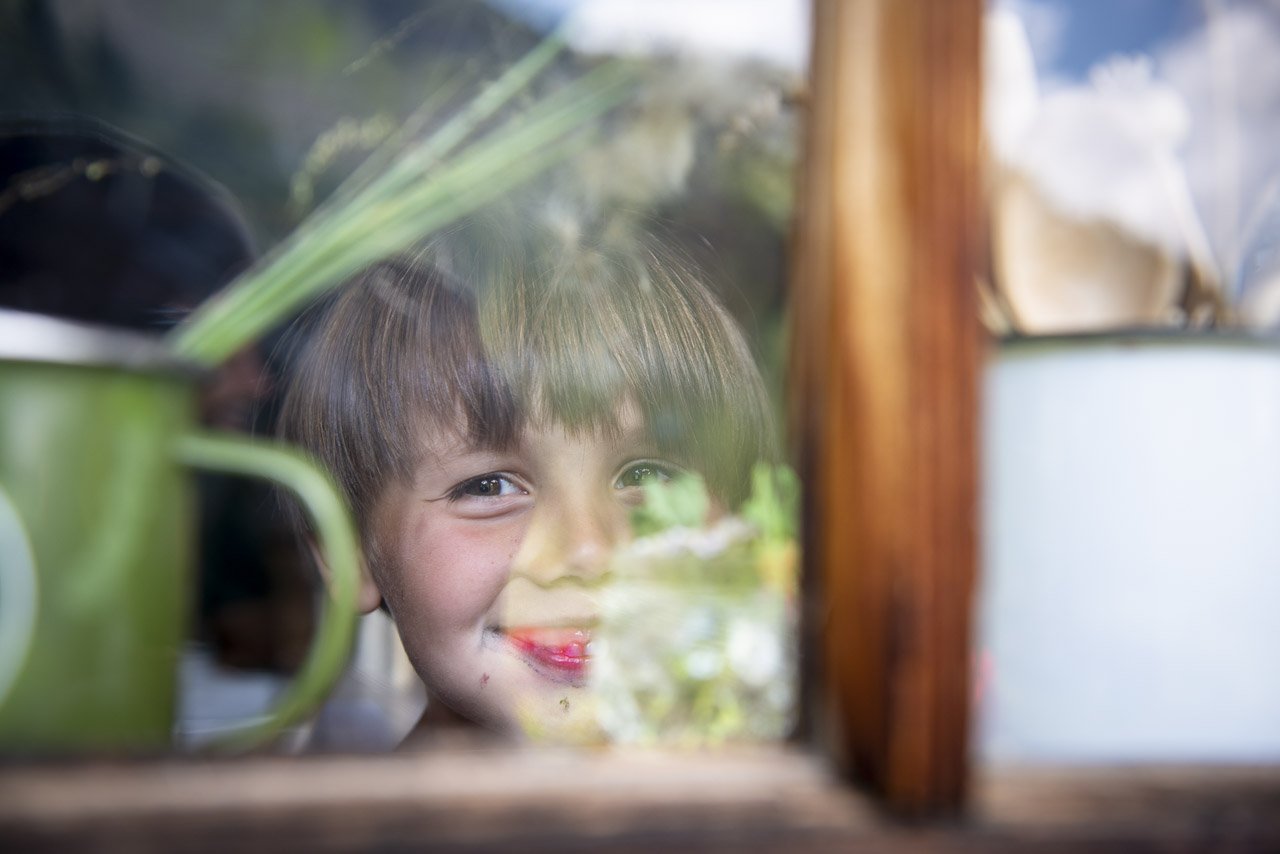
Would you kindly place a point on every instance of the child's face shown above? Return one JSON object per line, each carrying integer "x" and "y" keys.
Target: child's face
{"x": 486, "y": 560}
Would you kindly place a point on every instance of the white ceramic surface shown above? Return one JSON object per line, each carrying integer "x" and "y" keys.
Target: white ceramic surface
{"x": 1130, "y": 602}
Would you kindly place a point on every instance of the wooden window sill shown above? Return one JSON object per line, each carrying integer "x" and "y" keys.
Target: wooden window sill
{"x": 484, "y": 796}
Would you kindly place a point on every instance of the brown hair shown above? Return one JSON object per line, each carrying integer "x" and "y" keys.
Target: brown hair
{"x": 497, "y": 331}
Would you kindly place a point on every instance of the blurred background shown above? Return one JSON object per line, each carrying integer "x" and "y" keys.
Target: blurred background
{"x": 1134, "y": 185}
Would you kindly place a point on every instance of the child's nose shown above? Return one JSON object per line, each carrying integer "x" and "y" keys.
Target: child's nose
{"x": 570, "y": 540}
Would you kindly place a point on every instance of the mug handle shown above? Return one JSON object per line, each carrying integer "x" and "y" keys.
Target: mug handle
{"x": 18, "y": 594}
{"x": 338, "y": 544}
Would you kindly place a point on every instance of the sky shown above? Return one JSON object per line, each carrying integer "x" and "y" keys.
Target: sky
{"x": 1069, "y": 37}
{"x": 773, "y": 30}
{"x": 1222, "y": 57}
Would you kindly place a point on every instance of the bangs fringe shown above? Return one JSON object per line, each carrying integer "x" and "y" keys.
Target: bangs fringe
{"x": 423, "y": 343}
{"x": 576, "y": 346}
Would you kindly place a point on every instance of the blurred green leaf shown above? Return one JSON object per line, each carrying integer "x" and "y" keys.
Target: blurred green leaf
{"x": 681, "y": 502}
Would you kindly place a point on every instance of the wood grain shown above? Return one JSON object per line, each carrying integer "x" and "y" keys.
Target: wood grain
{"x": 885, "y": 379}
{"x": 498, "y": 799}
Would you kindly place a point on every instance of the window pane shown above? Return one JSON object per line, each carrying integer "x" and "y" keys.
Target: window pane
{"x": 581, "y": 276}
{"x": 1130, "y": 467}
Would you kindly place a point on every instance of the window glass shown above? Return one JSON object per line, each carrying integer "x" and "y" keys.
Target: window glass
{"x": 1130, "y": 412}
{"x": 565, "y": 368}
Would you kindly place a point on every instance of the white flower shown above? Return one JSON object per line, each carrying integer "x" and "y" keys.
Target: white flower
{"x": 704, "y": 543}
{"x": 703, "y": 663}
{"x": 754, "y": 651}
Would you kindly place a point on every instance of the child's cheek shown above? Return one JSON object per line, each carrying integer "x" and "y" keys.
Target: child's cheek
{"x": 465, "y": 567}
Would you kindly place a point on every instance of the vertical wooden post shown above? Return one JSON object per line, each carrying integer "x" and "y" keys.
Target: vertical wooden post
{"x": 886, "y": 371}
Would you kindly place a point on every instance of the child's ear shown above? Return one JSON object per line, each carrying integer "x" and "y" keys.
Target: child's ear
{"x": 368, "y": 596}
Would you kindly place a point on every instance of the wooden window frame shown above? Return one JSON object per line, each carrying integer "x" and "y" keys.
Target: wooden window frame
{"x": 885, "y": 384}
{"x": 886, "y": 374}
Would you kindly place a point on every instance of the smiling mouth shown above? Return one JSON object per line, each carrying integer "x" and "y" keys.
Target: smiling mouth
{"x": 561, "y": 653}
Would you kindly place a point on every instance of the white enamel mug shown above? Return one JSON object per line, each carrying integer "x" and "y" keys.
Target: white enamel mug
{"x": 1130, "y": 595}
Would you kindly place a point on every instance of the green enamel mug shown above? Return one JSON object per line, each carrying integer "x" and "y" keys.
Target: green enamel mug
{"x": 98, "y": 443}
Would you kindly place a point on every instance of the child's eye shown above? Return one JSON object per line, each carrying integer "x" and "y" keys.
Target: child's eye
{"x": 486, "y": 486}
{"x": 644, "y": 473}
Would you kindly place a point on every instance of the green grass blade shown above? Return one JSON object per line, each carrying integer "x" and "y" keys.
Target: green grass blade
{"x": 391, "y": 215}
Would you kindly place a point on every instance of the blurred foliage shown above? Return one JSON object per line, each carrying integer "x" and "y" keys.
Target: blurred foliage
{"x": 682, "y": 502}
{"x": 279, "y": 101}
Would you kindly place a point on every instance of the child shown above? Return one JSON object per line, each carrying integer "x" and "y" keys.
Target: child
{"x": 492, "y": 415}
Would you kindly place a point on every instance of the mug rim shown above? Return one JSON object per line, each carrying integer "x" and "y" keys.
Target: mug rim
{"x": 1141, "y": 337}
{"x": 43, "y": 339}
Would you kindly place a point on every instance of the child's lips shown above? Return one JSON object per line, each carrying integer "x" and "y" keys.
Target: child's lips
{"x": 563, "y": 653}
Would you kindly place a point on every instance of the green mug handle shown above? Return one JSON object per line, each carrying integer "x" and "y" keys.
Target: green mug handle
{"x": 18, "y": 586}
{"x": 338, "y": 544}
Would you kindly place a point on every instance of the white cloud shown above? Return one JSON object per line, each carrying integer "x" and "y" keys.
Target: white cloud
{"x": 773, "y": 30}
{"x": 1229, "y": 74}
{"x": 1009, "y": 84}
{"x": 1106, "y": 151}
{"x": 1103, "y": 149}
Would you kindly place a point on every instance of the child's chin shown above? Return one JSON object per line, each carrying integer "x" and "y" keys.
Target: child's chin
{"x": 558, "y": 715}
